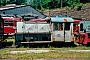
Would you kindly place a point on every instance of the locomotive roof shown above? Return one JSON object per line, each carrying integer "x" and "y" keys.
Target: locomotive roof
{"x": 61, "y": 19}
{"x": 77, "y": 18}
{"x": 77, "y": 21}
{"x": 7, "y": 15}
{"x": 11, "y": 18}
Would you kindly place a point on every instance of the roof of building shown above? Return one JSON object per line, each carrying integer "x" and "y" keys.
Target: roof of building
{"x": 10, "y": 6}
{"x": 22, "y": 9}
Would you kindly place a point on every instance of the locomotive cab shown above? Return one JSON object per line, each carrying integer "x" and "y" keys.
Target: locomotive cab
{"x": 62, "y": 29}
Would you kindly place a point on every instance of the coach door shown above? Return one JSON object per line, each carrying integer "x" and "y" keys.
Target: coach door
{"x": 58, "y": 32}
{"x": 62, "y": 31}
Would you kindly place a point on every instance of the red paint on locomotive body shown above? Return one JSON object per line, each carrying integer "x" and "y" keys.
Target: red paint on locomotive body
{"x": 76, "y": 27}
{"x": 89, "y": 40}
{"x": 81, "y": 37}
{"x": 11, "y": 19}
{"x": 77, "y": 21}
{"x": 37, "y": 20}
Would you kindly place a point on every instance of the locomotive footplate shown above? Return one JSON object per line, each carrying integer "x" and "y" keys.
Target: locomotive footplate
{"x": 33, "y": 42}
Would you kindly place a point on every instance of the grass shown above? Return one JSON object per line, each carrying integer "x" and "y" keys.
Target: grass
{"x": 49, "y": 55}
{"x": 10, "y": 40}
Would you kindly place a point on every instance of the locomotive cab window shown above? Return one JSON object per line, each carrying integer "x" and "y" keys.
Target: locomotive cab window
{"x": 58, "y": 26}
{"x": 67, "y": 26}
{"x": 8, "y": 23}
{"x": 81, "y": 27}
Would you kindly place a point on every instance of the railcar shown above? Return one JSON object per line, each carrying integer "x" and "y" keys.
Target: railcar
{"x": 81, "y": 32}
{"x": 83, "y": 35}
{"x": 56, "y": 29}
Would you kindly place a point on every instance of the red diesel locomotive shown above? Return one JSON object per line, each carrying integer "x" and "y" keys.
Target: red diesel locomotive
{"x": 10, "y": 24}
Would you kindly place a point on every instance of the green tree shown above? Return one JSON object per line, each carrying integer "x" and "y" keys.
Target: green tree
{"x": 47, "y": 4}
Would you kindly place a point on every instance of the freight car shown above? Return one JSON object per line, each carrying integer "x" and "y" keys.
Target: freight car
{"x": 56, "y": 29}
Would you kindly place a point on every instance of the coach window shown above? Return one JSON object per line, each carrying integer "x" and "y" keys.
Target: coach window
{"x": 58, "y": 26}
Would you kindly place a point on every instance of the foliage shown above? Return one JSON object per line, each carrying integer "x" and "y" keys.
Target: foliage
{"x": 50, "y": 4}
{"x": 4, "y": 2}
{"x": 46, "y": 4}
{"x": 79, "y": 6}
